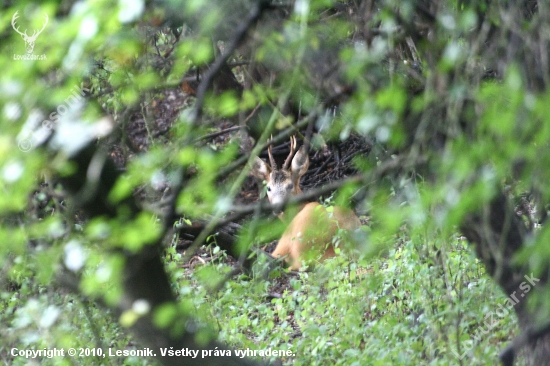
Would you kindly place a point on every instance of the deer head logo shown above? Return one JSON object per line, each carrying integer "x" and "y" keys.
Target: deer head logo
{"x": 29, "y": 40}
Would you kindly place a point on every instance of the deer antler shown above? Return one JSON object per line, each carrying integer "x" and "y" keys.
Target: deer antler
{"x": 35, "y": 34}
{"x": 24, "y": 34}
{"x": 13, "y": 19}
{"x": 292, "y": 150}
{"x": 271, "y": 159}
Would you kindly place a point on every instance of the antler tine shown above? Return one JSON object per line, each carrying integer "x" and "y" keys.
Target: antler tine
{"x": 45, "y": 23}
{"x": 271, "y": 159}
{"x": 292, "y": 151}
{"x": 13, "y": 20}
{"x": 37, "y": 32}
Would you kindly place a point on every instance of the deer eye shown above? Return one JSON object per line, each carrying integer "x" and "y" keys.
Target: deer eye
{"x": 268, "y": 188}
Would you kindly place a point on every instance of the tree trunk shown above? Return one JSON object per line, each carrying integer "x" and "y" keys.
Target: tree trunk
{"x": 498, "y": 233}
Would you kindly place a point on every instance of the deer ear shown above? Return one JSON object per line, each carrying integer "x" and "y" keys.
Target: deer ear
{"x": 300, "y": 164}
{"x": 260, "y": 169}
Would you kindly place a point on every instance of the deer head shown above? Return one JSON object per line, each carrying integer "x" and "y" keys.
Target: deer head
{"x": 285, "y": 182}
{"x": 29, "y": 40}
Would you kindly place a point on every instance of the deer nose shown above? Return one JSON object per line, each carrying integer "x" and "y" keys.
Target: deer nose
{"x": 277, "y": 211}
{"x": 277, "y": 203}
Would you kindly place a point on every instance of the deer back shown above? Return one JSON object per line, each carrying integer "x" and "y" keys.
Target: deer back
{"x": 310, "y": 234}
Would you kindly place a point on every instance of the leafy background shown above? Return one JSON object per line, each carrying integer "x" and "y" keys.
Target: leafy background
{"x": 440, "y": 105}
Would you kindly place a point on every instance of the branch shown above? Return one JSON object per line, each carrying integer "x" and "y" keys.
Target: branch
{"x": 529, "y": 336}
{"x": 144, "y": 277}
{"x": 221, "y": 60}
{"x": 219, "y": 133}
{"x": 284, "y": 134}
{"x": 312, "y": 194}
{"x": 265, "y": 207}
{"x": 497, "y": 233}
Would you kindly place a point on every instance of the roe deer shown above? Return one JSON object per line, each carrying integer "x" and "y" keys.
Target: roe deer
{"x": 310, "y": 234}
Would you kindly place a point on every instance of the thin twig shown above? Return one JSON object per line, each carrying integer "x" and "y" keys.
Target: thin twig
{"x": 265, "y": 207}
{"x": 283, "y": 135}
{"x": 219, "y": 133}
{"x": 220, "y": 61}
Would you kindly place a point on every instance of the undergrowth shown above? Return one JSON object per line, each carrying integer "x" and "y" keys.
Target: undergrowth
{"x": 423, "y": 303}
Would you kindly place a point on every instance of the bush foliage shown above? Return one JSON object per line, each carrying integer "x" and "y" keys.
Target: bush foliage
{"x": 131, "y": 126}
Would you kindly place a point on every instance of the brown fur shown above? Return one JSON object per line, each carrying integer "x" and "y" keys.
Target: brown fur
{"x": 310, "y": 233}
